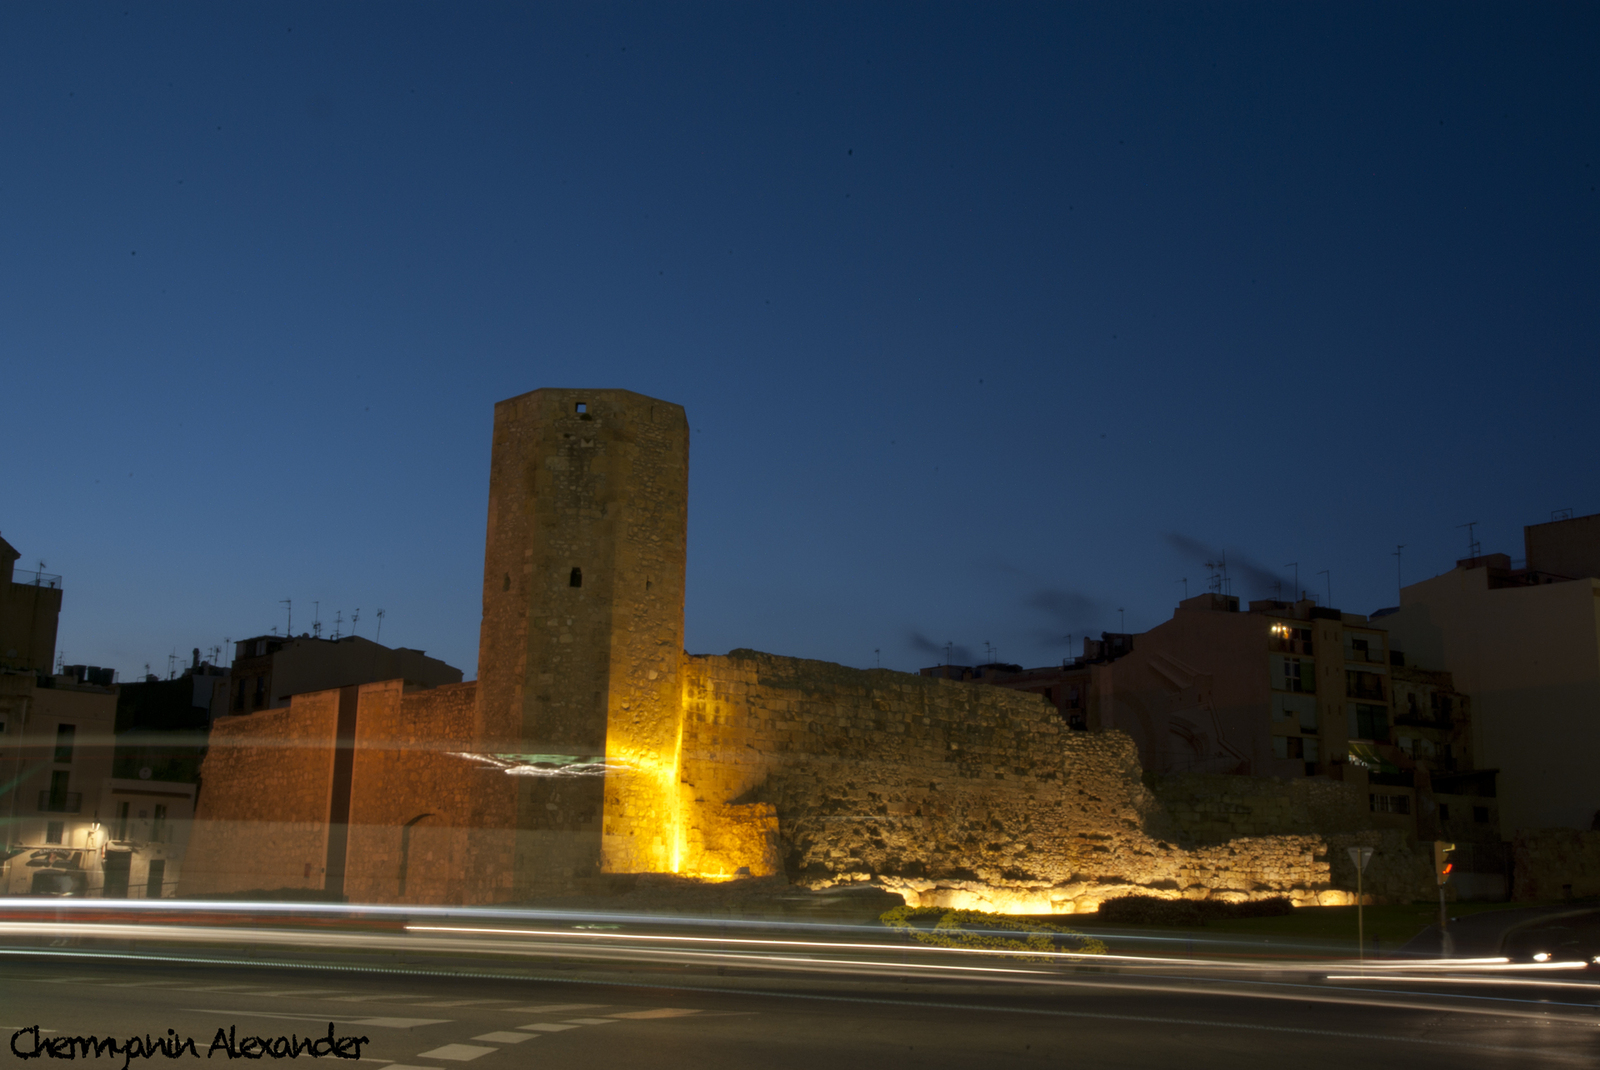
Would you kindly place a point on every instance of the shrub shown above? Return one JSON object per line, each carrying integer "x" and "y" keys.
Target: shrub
{"x": 1152, "y": 910}
{"x": 1032, "y": 940}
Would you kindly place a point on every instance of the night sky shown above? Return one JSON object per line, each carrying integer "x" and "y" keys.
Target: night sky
{"x": 993, "y": 322}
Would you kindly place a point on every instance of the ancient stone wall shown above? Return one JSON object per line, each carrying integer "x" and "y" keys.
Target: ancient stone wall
{"x": 1555, "y": 864}
{"x": 948, "y": 793}
{"x": 261, "y": 820}
{"x": 421, "y": 802}
{"x": 1216, "y": 807}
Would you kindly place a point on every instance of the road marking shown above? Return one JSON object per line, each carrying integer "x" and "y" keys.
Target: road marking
{"x": 458, "y": 1053}
{"x": 144, "y": 984}
{"x": 590, "y": 1021}
{"x": 547, "y": 1027}
{"x": 395, "y": 1023}
{"x": 367, "y": 999}
{"x": 299, "y": 992}
{"x": 463, "y": 1002}
{"x": 553, "y": 1008}
{"x": 501, "y": 1036}
{"x": 659, "y": 1012}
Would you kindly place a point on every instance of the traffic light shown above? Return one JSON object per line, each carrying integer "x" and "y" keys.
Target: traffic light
{"x": 1441, "y": 861}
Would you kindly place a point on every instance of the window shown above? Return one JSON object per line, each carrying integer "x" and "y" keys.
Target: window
{"x": 1389, "y": 804}
{"x": 1363, "y": 684}
{"x": 261, "y": 692}
{"x": 53, "y": 831}
{"x": 238, "y": 700}
{"x": 581, "y": 408}
{"x": 1074, "y": 698}
{"x": 119, "y": 830}
{"x": 576, "y": 579}
{"x": 158, "y": 827}
{"x": 64, "y": 734}
{"x": 1291, "y": 673}
{"x": 1480, "y": 814}
{"x": 58, "y": 789}
{"x": 1369, "y": 722}
{"x": 1288, "y": 747}
{"x": 261, "y": 647}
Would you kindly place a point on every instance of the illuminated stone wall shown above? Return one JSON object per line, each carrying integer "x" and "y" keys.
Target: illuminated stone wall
{"x": 949, "y": 793}
{"x": 261, "y": 819}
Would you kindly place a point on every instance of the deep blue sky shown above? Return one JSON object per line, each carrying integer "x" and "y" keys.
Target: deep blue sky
{"x": 983, "y": 315}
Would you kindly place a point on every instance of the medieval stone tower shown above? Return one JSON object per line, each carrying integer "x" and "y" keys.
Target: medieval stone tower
{"x": 582, "y": 641}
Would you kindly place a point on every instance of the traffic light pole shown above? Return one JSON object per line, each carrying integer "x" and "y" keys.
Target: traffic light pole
{"x": 1446, "y": 944}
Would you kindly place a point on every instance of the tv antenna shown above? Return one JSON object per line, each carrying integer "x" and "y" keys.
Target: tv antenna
{"x": 380, "y": 625}
{"x": 172, "y": 665}
{"x": 1296, "y": 589}
{"x": 1122, "y": 621}
{"x": 1399, "y": 578}
{"x": 288, "y": 608}
{"x": 1328, "y": 576}
{"x": 1185, "y": 582}
{"x": 353, "y": 618}
{"x": 316, "y": 619}
{"x": 1474, "y": 548}
{"x": 338, "y": 623}
{"x": 877, "y": 658}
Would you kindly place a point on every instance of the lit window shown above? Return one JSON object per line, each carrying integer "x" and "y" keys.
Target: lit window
{"x": 53, "y": 831}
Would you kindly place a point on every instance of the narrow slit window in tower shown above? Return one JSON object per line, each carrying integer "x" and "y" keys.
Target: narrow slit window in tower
{"x": 577, "y": 577}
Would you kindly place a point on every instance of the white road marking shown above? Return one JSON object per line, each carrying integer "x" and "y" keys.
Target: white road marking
{"x": 501, "y": 1036}
{"x": 590, "y": 1021}
{"x": 547, "y": 1027}
{"x": 396, "y": 1023}
{"x": 458, "y": 1053}
{"x": 659, "y": 1012}
{"x": 553, "y": 1008}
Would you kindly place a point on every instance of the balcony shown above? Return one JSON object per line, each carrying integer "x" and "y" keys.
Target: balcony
{"x": 70, "y": 802}
{"x": 36, "y": 579}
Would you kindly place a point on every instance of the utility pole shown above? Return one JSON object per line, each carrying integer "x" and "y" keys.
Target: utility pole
{"x": 1360, "y": 856}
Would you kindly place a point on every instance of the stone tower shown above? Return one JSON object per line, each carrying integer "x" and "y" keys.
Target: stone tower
{"x": 580, "y": 654}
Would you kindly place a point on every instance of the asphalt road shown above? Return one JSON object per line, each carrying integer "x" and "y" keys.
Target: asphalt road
{"x": 705, "y": 1020}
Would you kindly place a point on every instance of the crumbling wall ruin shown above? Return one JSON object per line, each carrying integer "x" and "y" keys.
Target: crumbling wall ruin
{"x": 951, "y": 794}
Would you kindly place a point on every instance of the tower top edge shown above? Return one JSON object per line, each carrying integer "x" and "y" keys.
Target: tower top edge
{"x": 579, "y": 393}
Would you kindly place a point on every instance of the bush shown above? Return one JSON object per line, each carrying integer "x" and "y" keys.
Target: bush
{"x": 1032, "y": 940}
{"x": 1152, "y": 910}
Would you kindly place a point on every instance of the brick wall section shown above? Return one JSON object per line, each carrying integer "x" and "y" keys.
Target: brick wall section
{"x": 952, "y": 794}
{"x": 262, "y": 815}
{"x": 420, "y": 805}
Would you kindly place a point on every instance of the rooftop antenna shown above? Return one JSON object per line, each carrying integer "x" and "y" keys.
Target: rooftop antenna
{"x": 1122, "y": 619}
{"x": 353, "y": 618}
{"x": 877, "y": 658}
{"x": 1327, "y": 575}
{"x": 1296, "y": 588}
{"x": 1399, "y": 579}
{"x": 1069, "y": 651}
{"x": 316, "y": 619}
{"x": 1474, "y": 548}
{"x": 1277, "y": 590}
{"x": 288, "y": 608}
{"x": 380, "y": 625}
{"x": 227, "y": 644}
{"x": 988, "y": 651}
{"x": 338, "y": 622}
{"x": 172, "y": 664}
{"x": 147, "y": 670}
{"x": 948, "y": 647}
{"x": 1185, "y": 582}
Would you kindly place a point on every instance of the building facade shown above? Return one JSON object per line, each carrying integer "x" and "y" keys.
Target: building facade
{"x": 1524, "y": 645}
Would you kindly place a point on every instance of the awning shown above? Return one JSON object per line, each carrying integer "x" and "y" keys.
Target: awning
{"x": 1367, "y": 757}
